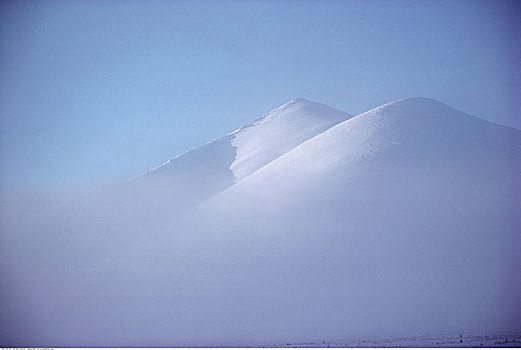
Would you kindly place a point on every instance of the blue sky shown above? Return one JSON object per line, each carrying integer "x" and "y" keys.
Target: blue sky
{"x": 98, "y": 91}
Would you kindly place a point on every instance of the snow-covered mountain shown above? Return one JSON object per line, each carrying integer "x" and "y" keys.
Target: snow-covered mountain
{"x": 159, "y": 196}
{"x": 196, "y": 175}
{"x": 402, "y": 219}
{"x": 255, "y": 144}
{"x": 416, "y": 133}
{"x": 304, "y": 226}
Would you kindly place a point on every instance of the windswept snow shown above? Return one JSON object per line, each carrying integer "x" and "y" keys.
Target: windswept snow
{"x": 405, "y": 132}
{"x": 278, "y": 132}
{"x": 255, "y": 144}
{"x": 305, "y": 227}
{"x": 159, "y": 196}
{"x": 402, "y": 220}
{"x": 204, "y": 171}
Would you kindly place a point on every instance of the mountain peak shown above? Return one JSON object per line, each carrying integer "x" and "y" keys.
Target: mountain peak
{"x": 425, "y": 111}
{"x": 416, "y": 104}
{"x": 296, "y": 102}
{"x": 299, "y": 100}
{"x": 279, "y": 131}
{"x": 254, "y": 145}
{"x": 302, "y": 210}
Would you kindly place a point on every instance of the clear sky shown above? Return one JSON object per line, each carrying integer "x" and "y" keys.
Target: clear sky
{"x": 100, "y": 91}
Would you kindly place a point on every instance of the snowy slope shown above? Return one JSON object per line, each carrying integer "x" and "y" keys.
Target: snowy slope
{"x": 159, "y": 196}
{"x": 278, "y": 132}
{"x": 258, "y": 143}
{"x": 204, "y": 171}
{"x": 402, "y": 221}
{"x": 408, "y": 132}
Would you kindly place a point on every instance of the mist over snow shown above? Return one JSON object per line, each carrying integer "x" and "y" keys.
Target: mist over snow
{"x": 306, "y": 225}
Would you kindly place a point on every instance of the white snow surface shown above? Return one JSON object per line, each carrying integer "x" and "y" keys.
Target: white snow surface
{"x": 280, "y": 131}
{"x": 204, "y": 171}
{"x": 257, "y": 143}
{"x": 409, "y": 209}
{"x": 156, "y": 198}
{"x": 403, "y": 221}
{"x": 414, "y": 129}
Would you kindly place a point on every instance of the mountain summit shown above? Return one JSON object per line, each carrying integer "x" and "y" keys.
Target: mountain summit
{"x": 278, "y": 132}
{"x": 409, "y": 209}
{"x": 305, "y": 226}
{"x": 264, "y": 140}
{"x": 206, "y": 170}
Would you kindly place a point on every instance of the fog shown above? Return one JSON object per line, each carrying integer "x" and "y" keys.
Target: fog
{"x": 371, "y": 229}
{"x": 270, "y": 273}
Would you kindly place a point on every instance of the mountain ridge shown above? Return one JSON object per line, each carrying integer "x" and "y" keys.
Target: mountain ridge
{"x": 407, "y": 108}
{"x": 298, "y": 103}
{"x": 383, "y": 214}
{"x": 401, "y": 221}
